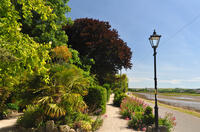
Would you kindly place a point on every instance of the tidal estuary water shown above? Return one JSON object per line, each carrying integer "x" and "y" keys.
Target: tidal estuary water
{"x": 191, "y": 102}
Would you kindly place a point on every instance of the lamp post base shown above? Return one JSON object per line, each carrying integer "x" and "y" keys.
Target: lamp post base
{"x": 153, "y": 129}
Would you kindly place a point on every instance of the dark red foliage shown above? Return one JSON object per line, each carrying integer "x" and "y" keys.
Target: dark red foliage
{"x": 95, "y": 39}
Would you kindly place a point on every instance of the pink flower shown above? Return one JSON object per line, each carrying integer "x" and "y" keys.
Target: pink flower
{"x": 126, "y": 118}
{"x": 144, "y": 129}
{"x": 105, "y": 115}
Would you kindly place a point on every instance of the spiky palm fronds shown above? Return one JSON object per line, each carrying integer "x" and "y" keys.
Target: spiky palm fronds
{"x": 50, "y": 108}
{"x": 65, "y": 94}
{"x": 72, "y": 79}
{"x": 45, "y": 100}
{"x": 54, "y": 111}
{"x": 75, "y": 101}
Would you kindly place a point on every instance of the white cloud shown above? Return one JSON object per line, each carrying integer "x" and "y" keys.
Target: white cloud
{"x": 179, "y": 81}
{"x": 167, "y": 81}
{"x": 169, "y": 75}
{"x": 138, "y": 80}
{"x": 170, "y": 81}
{"x": 196, "y": 79}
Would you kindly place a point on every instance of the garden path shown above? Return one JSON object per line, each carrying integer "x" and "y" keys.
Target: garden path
{"x": 112, "y": 121}
{"x": 9, "y": 124}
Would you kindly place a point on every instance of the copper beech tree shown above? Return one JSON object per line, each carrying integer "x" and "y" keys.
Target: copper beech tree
{"x": 95, "y": 39}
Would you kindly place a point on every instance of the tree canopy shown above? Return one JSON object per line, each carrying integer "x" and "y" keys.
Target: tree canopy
{"x": 95, "y": 39}
{"x": 19, "y": 53}
{"x": 43, "y": 20}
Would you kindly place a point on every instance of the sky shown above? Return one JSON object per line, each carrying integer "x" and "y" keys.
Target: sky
{"x": 178, "y": 53}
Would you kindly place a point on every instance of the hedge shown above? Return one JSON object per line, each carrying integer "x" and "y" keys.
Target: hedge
{"x": 119, "y": 96}
{"x": 96, "y": 99}
{"x": 107, "y": 86}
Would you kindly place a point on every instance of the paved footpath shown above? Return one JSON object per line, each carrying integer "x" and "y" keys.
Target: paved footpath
{"x": 7, "y": 122}
{"x": 7, "y": 125}
{"x": 113, "y": 122}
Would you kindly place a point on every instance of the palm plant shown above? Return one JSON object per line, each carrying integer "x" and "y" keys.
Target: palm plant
{"x": 63, "y": 95}
{"x": 68, "y": 84}
{"x": 71, "y": 78}
{"x": 50, "y": 108}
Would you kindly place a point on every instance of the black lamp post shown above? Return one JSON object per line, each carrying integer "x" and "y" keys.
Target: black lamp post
{"x": 154, "y": 41}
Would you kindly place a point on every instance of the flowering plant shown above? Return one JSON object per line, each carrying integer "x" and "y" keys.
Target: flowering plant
{"x": 137, "y": 121}
{"x": 130, "y": 105}
{"x": 83, "y": 125}
{"x": 140, "y": 120}
{"x": 137, "y": 112}
{"x": 168, "y": 121}
{"x": 140, "y": 115}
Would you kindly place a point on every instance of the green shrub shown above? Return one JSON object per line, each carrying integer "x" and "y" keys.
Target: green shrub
{"x": 107, "y": 86}
{"x": 97, "y": 123}
{"x": 4, "y": 95}
{"x": 4, "y": 114}
{"x": 33, "y": 117}
{"x": 72, "y": 119}
{"x": 118, "y": 98}
{"x": 96, "y": 100}
{"x": 136, "y": 121}
{"x": 148, "y": 116}
{"x": 140, "y": 114}
{"x": 168, "y": 121}
{"x": 108, "y": 94}
{"x": 85, "y": 126}
{"x": 12, "y": 106}
{"x": 140, "y": 120}
{"x": 130, "y": 105}
{"x": 84, "y": 122}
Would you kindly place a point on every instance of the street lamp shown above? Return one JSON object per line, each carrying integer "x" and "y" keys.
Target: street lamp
{"x": 154, "y": 41}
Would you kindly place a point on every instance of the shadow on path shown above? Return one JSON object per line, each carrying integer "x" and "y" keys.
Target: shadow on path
{"x": 113, "y": 121}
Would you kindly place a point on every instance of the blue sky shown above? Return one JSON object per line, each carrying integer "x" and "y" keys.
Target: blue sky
{"x": 178, "y": 21}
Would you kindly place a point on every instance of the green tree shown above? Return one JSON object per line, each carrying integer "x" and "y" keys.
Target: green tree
{"x": 43, "y": 20}
{"x": 29, "y": 55}
{"x": 121, "y": 82}
{"x": 19, "y": 53}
